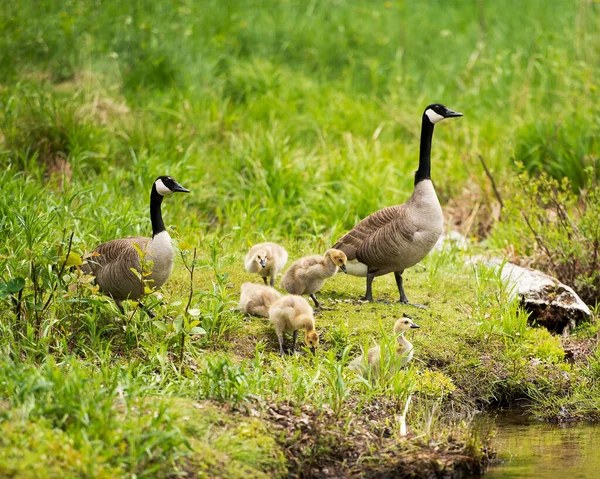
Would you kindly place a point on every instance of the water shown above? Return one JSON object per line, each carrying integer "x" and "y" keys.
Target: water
{"x": 531, "y": 450}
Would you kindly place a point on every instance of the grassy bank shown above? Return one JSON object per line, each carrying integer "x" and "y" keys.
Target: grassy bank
{"x": 288, "y": 122}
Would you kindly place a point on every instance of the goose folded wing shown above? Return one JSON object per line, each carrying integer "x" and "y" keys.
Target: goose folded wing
{"x": 363, "y": 232}
{"x": 120, "y": 252}
{"x": 387, "y": 242}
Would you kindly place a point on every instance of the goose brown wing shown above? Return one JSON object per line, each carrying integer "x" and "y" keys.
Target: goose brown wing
{"x": 388, "y": 241}
{"x": 113, "y": 264}
{"x": 354, "y": 241}
{"x": 120, "y": 251}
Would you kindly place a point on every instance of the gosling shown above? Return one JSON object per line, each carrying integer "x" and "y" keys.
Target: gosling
{"x": 404, "y": 352}
{"x": 291, "y": 313}
{"x": 307, "y": 275}
{"x": 266, "y": 259}
{"x": 256, "y": 299}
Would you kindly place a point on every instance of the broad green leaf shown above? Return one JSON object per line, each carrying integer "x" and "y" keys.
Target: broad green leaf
{"x": 73, "y": 259}
{"x": 15, "y": 285}
{"x": 178, "y": 324}
{"x": 140, "y": 253}
{"x": 160, "y": 325}
{"x": 136, "y": 272}
{"x": 197, "y": 330}
{"x": 195, "y": 312}
{"x": 194, "y": 323}
{"x": 184, "y": 246}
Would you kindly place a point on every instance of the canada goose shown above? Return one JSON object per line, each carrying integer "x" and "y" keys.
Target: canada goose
{"x": 398, "y": 237}
{"x": 307, "y": 275}
{"x": 111, "y": 263}
{"x": 291, "y": 313}
{"x": 404, "y": 353}
{"x": 256, "y": 299}
{"x": 266, "y": 259}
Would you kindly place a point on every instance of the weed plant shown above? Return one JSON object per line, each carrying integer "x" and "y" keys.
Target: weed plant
{"x": 558, "y": 228}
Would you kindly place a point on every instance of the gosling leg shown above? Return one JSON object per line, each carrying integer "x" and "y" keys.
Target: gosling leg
{"x": 280, "y": 338}
{"x": 272, "y": 281}
{"x": 403, "y": 298}
{"x": 265, "y": 280}
{"x": 314, "y": 298}
{"x": 295, "y": 340}
{"x": 318, "y": 305}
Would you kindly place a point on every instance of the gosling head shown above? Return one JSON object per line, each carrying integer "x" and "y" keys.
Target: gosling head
{"x": 311, "y": 338}
{"x": 261, "y": 258}
{"x": 438, "y": 112}
{"x": 338, "y": 257}
{"x": 165, "y": 185}
{"x": 404, "y": 324}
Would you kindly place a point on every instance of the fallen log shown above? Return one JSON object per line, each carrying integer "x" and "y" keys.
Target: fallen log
{"x": 551, "y": 304}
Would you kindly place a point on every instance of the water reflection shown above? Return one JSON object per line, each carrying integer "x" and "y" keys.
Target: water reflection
{"x": 531, "y": 450}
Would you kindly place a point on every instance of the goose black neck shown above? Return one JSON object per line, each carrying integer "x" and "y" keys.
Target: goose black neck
{"x": 424, "y": 171}
{"x": 155, "y": 212}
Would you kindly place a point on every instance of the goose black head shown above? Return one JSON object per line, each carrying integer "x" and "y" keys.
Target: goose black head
{"x": 438, "y": 112}
{"x": 165, "y": 185}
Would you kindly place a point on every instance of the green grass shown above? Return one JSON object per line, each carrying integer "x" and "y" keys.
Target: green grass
{"x": 288, "y": 121}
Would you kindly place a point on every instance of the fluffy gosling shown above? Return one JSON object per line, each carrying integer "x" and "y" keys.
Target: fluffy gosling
{"x": 291, "y": 313}
{"x": 256, "y": 299}
{"x": 266, "y": 259}
{"x": 307, "y": 275}
{"x": 404, "y": 352}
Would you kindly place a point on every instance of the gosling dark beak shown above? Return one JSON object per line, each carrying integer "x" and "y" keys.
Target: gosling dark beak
{"x": 343, "y": 268}
{"x": 452, "y": 114}
{"x": 263, "y": 263}
{"x": 313, "y": 350}
{"x": 414, "y": 325}
{"x": 179, "y": 188}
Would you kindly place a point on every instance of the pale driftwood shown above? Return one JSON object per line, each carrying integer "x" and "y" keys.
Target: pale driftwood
{"x": 451, "y": 239}
{"x": 551, "y": 303}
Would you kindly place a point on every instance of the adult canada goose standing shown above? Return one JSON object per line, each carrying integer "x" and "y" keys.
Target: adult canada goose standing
{"x": 111, "y": 263}
{"x": 398, "y": 237}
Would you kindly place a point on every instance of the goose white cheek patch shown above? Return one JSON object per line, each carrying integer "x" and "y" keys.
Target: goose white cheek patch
{"x": 433, "y": 116}
{"x": 161, "y": 188}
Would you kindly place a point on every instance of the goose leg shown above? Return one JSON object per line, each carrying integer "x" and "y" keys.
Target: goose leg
{"x": 120, "y": 306}
{"x": 295, "y": 340}
{"x": 369, "y": 293}
{"x": 272, "y": 281}
{"x": 265, "y": 280}
{"x": 148, "y": 311}
{"x": 399, "y": 283}
{"x": 403, "y": 298}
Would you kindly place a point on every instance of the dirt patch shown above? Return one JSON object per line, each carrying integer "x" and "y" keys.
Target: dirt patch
{"x": 320, "y": 445}
{"x": 578, "y": 350}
